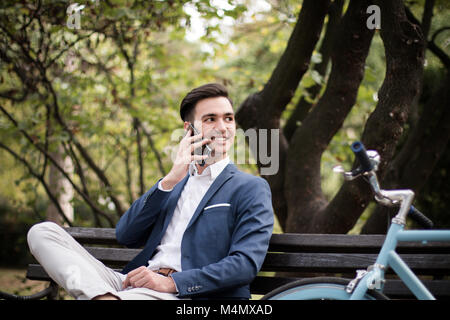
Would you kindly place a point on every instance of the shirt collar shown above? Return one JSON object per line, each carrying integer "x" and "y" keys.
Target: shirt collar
{"x": 212, "y": 170}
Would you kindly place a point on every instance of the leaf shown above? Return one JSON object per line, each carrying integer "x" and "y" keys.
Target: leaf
{"x": 316, "y": 57}
{"x": 316, "y": 77}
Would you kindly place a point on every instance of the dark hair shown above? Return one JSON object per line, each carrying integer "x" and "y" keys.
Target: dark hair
{"x": 205, "y": 91}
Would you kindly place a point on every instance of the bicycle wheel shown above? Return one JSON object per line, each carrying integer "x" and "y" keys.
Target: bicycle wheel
{"x": 321, "y": 288}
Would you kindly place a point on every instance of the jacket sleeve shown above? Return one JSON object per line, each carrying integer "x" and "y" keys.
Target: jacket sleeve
{"x": 135, "y": 225}
{"x": 249, "y": 244}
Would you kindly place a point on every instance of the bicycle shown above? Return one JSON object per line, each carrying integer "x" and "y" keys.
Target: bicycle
{"x": 368, "y": 284}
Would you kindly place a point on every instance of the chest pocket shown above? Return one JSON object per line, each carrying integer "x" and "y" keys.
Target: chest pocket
{"x": 216, "y": 223}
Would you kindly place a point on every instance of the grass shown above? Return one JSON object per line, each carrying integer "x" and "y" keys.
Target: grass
{"x": 14, "y": 281}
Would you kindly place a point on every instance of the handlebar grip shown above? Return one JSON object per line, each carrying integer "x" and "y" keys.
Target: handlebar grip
{"x": 361, "y": 154}
{"x": 420, "y": 218}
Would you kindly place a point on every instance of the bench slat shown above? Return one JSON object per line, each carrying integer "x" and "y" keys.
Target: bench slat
{"x": 37, "y": 272}
{"x": 93, "y": 235}
{"x": 292, "y": 242}
{"x": 345, "y": 262}
{"x": 118, "y": 256}
{"x": 333, "y": 243}
{"x": 304, "y": 262}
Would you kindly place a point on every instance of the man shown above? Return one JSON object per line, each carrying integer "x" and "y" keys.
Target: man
{"x": 205, "y": 228}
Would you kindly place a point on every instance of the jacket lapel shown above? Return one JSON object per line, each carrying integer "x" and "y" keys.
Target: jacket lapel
{"x": 224, "y": 176}
{"x": 172, "y": 202}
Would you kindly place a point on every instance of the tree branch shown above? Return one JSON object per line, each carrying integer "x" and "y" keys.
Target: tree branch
{"x": 40, "y": 178}
{"x": 303, "y": 106}
{"x": 151, "y": 143}
{"x": 431, "y": 45}
{"x": 291, "y": 67}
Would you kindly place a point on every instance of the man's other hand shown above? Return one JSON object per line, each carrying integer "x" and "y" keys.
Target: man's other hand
{"x": 142, "y": 277}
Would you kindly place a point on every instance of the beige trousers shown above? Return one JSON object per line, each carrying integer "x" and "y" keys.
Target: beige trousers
{"x": 77, "y": 271}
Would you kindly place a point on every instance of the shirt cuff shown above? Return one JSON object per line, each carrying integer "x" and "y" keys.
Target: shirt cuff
{"x": 160, "y": 187}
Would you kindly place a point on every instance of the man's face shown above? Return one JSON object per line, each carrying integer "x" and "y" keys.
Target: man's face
{"x": 215, "y": 117}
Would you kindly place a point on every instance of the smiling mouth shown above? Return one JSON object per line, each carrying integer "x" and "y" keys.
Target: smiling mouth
{"x": 219, "y": 139}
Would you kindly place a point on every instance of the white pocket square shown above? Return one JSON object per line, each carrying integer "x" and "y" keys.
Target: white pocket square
{"x": 217, "y": 205}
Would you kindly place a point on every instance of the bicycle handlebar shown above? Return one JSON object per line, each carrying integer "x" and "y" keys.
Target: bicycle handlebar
{"x": 366, "y": 166}
{"x": 361, "y": 154}
{"x": 420, "y": 218}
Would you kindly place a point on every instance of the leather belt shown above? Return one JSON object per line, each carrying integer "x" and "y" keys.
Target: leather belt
{"x": 165, "y": 271}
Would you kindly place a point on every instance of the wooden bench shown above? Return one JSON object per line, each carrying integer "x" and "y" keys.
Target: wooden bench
{"x": 297, "y": 256}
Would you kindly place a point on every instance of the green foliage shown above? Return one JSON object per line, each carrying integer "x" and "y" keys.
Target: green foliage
{"x": 129, "y": 60}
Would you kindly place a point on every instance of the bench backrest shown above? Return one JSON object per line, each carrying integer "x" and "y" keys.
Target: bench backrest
{"x": 294, "y": 256}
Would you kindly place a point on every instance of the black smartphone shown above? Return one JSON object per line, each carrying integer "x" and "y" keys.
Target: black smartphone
{"x": 206, "y": 150}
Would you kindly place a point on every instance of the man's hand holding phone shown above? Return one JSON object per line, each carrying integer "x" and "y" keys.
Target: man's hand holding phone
{"x": 205, "y": 150}
{"x": 185, "y": 155}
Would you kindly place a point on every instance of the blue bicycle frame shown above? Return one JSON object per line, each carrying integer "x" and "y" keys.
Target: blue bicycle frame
{"x": 374, "y": 279}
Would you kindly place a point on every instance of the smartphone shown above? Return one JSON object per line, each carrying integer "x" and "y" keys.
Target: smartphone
{"x": 206, "y": 150}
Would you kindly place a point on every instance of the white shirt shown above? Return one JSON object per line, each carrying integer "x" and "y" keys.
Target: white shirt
{"x": 168, "y": 253}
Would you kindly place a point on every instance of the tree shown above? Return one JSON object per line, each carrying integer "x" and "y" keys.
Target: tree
{"x": 88, "y": 79}
{"x": 299, "y": 201}
{"x": 427, "y": 138}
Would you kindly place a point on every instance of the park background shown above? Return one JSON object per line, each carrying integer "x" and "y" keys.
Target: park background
{"x": 90, "y": 94}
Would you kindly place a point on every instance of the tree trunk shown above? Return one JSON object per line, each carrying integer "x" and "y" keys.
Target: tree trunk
{"x": 419, "y": 155}
{"x": 60, "y": 187}
{"x": 269, "y": 103}
{"x": 413, "y": 164}
{"x": 303, "y": 179}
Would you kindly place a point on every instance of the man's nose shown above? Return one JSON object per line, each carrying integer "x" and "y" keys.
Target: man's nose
{"x": 220, "y": 126}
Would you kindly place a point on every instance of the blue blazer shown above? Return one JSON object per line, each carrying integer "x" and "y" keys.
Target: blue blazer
{"x": 223, "y": 246}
